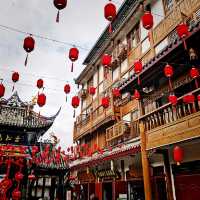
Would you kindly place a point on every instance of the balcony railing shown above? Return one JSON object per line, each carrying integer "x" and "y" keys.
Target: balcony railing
{"x": 122, "y": 131}
{"x": 168, "y": 113}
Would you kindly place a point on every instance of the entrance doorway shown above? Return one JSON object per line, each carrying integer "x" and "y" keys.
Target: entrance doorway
{"x": 107, "y": 191}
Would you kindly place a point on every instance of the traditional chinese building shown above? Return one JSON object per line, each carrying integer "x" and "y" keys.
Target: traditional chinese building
{"x": 20, "y": 129}
{"x": 137, "y": 139}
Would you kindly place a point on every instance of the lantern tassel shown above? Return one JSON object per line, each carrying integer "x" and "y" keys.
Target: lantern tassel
{"x": 66, "y": 98}
{"x": 196, "y": 83}
{"x": 58, "y": 17}
{"x": 139, "y": 81}
{"x": 170, "y": 85}
{"x": 74, "y": 113}
{"x": 110, "y": 28}
{"x": 26, "y": 60}
{"x": 72, "y": 67}
{"x": 184, "y": 44}
{"x": 13, "y": 87}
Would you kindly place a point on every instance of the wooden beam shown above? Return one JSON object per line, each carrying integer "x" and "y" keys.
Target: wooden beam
{"x": 145, "y": 164}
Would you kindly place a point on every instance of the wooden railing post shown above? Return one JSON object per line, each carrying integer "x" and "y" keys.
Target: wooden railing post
{"x": 145, "y": 164}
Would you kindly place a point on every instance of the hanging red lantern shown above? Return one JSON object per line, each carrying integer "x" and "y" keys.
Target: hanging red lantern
{"x": 105, "y": 102}
{"x": 136, "y": 95}
{"x": 15, "y": 78}
{"x": 173, "y": 99}
{"x": 67, "y": 89}
{"x": 92, "y": 90}
{"x": 147, "y": 20}
{"x": 16, "y": 194}
{"x": 178, "y": 154}
{"x": 110, "y": 13}
{"x": 31, "y": 177}
{"x": 40, "y": 83}
{"x": 116, "y": 93}
{"x": 2, "y": 90}
{"x": 59, "y": 4}
{"x": 75, "y": 103}
{"x": 194, "y": 74}
{"x": 183, "y": 31}
{"x": 189, "y": 98}
{"x": 19, "y": 176}
{"x": 138, "y": 69}
{"x": 29, "y": 44}
{"x": 41, "y": 100}
{"x": 106, "y": 62}
{"x": 169, "y": 71}
{"x": 73, "y": 56}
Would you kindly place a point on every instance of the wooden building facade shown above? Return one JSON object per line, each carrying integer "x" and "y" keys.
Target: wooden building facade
{"x": 138, "y": 135}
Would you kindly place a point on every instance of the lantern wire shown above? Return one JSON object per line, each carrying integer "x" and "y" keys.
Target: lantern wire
{"x": 3, "y": 27}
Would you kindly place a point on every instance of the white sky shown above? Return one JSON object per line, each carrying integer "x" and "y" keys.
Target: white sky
{"x": 81, "y": 23}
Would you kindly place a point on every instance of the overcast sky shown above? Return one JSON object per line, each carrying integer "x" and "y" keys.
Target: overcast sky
{"x": 81, "y": 23}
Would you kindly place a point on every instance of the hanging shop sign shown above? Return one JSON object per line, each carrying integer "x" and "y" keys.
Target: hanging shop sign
{"x": 86, "y": 177}
{"x": 108, "y": 174}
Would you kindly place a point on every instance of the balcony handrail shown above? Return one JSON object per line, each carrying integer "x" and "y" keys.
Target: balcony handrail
{"x": 166, "y": 105}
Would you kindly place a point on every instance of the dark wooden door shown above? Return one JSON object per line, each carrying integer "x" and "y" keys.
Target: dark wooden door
{"x": 187, "y": 187}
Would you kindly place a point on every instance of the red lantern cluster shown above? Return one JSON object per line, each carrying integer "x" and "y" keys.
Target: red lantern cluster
{"x": 147, "y": 20}
{"x": 73, "y": 56}
{"x": 110, "y": 13}
{"x": 67, "y": 89}
{"x": 182, "y": 31}
{"x": 59, "y": 4}
{"x": 116, "y": 93}
{"x": 178, "y": 154}
{"x": 75, "y": 103}
{"x": 169, "y": 71}
{"x": 105, "y": 102}
{"x": 29, "y": 45}
{"x": 92, "y": 90}
{"x": 138, "y": 69}
{"x": 15, "y": 78}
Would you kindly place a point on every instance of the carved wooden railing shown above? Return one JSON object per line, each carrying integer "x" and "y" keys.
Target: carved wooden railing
{"x": 122, "y": 131}
{"x": 168, "y": 114}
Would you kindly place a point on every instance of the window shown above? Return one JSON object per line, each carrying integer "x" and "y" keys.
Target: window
{"x": 157, "y": 10}
{"x": 127, "y": 117}
{"x": 161, "y": 46}
{"x": 100, "y": 88}
{"x": 133, "y": 38}
{"x": 124, "y": 65}
{"x": 115, "y": 74}
{"x": 145, "y": 45}
{"x": 101, "y": 74}
{"x": 168, "y": 4}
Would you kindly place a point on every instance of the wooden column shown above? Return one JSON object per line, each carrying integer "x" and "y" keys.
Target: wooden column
{"x": 168, "y": 179}
{"x": 145, "y": 164}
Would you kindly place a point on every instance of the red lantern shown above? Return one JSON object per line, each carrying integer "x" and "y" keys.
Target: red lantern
{"x": 73, "y": 56}
{"x": 198, "y": 98}
{"x": 67, "y": 89}
{"x": 92, "y": 90}
{"x": 15, "y": 78}
{"x": 59, "y": 4}
{"x": 136, "y": 95}
{"x": 173, "y": 99}
{"x": 138, "y": 69}
{"x": 169, "y": 71}
{"x": 40, "y": 83}
{"x": 194, "y": 74}
{"x": 178, "y": 154}
{"x": 106, "y": 62}
{"x": 116, "y": 93}
{"x": 183, "y": 32}
{"x": 75, "y": 103}
{"x": 41, "y": 100}
{"x": 31, "y": 177}
{"x": 29, "y": 44}
{"x": 110, "y": 13}
{"x": 105, "y": 102}
{"x": 147, "y": 20}
{"x": 2, "y": 90}
{"x": 16, "y": 194}
{"x": 189, "y": 98}
{"x": 19, "y": 176}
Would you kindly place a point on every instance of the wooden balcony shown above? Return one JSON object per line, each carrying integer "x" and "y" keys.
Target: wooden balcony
{"x": 98, "y": 115}
{"x": 171, "y": 124}
{"x": 121, "y": 131}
